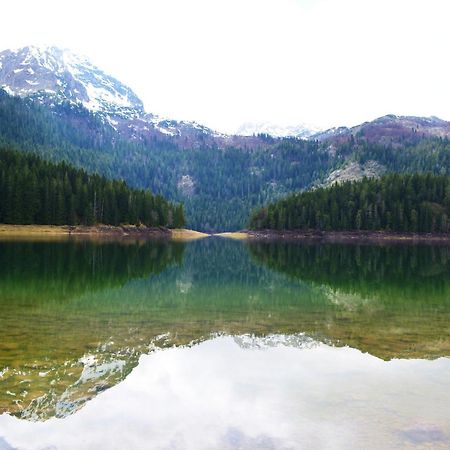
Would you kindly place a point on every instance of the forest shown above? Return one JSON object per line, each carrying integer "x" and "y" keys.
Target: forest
{"x": 395, "y": 202}
{"x": 225, "y": 184}
{"x": 34, "y": 191}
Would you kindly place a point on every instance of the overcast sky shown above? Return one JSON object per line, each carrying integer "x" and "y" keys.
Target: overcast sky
{"x": 225, "y": 62}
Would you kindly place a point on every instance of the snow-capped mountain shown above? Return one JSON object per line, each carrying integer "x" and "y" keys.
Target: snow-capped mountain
{"x": 54, "y": 76}
{"x": 60, "y": 78}
{"x": 59, "y": 75}
{"x": 254, "y": 128}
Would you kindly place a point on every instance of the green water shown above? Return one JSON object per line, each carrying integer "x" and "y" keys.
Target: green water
{"x": 77, "y": 316}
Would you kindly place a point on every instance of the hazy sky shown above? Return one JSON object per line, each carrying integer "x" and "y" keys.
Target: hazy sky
{"x": 224, "y": 62}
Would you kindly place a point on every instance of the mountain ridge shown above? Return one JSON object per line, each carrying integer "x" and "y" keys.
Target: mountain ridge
{"x": 389, "y": 126}
{"x": 54, "y": 76}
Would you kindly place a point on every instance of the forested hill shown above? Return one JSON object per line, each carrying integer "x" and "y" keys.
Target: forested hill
{"x": 33, "y": 191}
{"x": 405, "y": 203}
{"x": 219, "y": 187}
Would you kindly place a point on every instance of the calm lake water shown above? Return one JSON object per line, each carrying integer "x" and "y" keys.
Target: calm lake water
{"x": 219, "y": 344}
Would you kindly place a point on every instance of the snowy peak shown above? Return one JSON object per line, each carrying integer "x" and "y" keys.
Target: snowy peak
{"x": 254, "y": 128}
{"x": 55, "y": 75}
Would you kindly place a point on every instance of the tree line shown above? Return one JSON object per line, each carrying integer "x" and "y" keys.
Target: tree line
{"x": 34, "y": 191}
{"x": 395, "y": 202}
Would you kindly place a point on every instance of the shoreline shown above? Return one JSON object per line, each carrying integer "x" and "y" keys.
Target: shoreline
{"x": 181, "y": 234}
{"x": 97, "y": 231}
{"x": 340, "y": 236}
{"x": 237, "y": 235}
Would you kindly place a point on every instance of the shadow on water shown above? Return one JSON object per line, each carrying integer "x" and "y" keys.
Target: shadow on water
{"x": 76, "y": 316}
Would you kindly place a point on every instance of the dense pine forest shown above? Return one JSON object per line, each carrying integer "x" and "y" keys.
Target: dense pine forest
{"x": 405, "y": 203}
{"x": 34, "y": 191}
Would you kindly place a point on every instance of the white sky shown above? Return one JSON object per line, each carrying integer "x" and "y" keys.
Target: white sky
{"x": 225, "y": 62}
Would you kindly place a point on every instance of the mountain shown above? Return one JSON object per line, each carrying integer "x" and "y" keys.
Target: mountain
{"x": 63, "y": 108}
{"x": 56, "y": 77}
{"x": 254, "y": 128}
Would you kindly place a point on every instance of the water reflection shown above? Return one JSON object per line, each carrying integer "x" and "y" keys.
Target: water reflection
{"x": 58, "y": 347}
{"x": 391, "y": 301}
{"x": 58, "y": 270}
{"x": 419, "y": 273}
{"x": 251, "y": 393}
{"x": 76, "y": 317}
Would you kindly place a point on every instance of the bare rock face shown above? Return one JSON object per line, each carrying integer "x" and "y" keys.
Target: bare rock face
{"x": 186, "y": 185}
{"x": 354, "y": 171}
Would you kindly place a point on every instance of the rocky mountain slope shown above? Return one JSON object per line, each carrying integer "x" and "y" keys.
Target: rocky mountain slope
{"x": 54, "y": 76}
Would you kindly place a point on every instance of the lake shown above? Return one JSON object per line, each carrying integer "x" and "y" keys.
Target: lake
{"x": 219, "y": 344}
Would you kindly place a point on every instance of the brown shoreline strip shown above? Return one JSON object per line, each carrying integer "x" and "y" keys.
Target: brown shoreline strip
{"x": 349, "y": 236}
{"x": 96, "y": 231}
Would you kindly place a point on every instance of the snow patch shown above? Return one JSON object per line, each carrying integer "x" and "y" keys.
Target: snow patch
{"x": 7, "y": 89}
{"x": 253, "y": 128}
{"x": 299, "y": 340}
{"x": 165, "y": 131}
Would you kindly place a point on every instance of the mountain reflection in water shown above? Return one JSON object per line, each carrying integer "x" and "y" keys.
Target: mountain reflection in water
{"x": 278, "y": 392}
{"x": 76, "y": 316}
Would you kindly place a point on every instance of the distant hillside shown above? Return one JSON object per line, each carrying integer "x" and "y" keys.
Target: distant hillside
{"x": 390, "y": 129}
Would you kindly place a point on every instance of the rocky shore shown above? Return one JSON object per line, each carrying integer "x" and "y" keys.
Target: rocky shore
{"x": 348, "y": 236}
